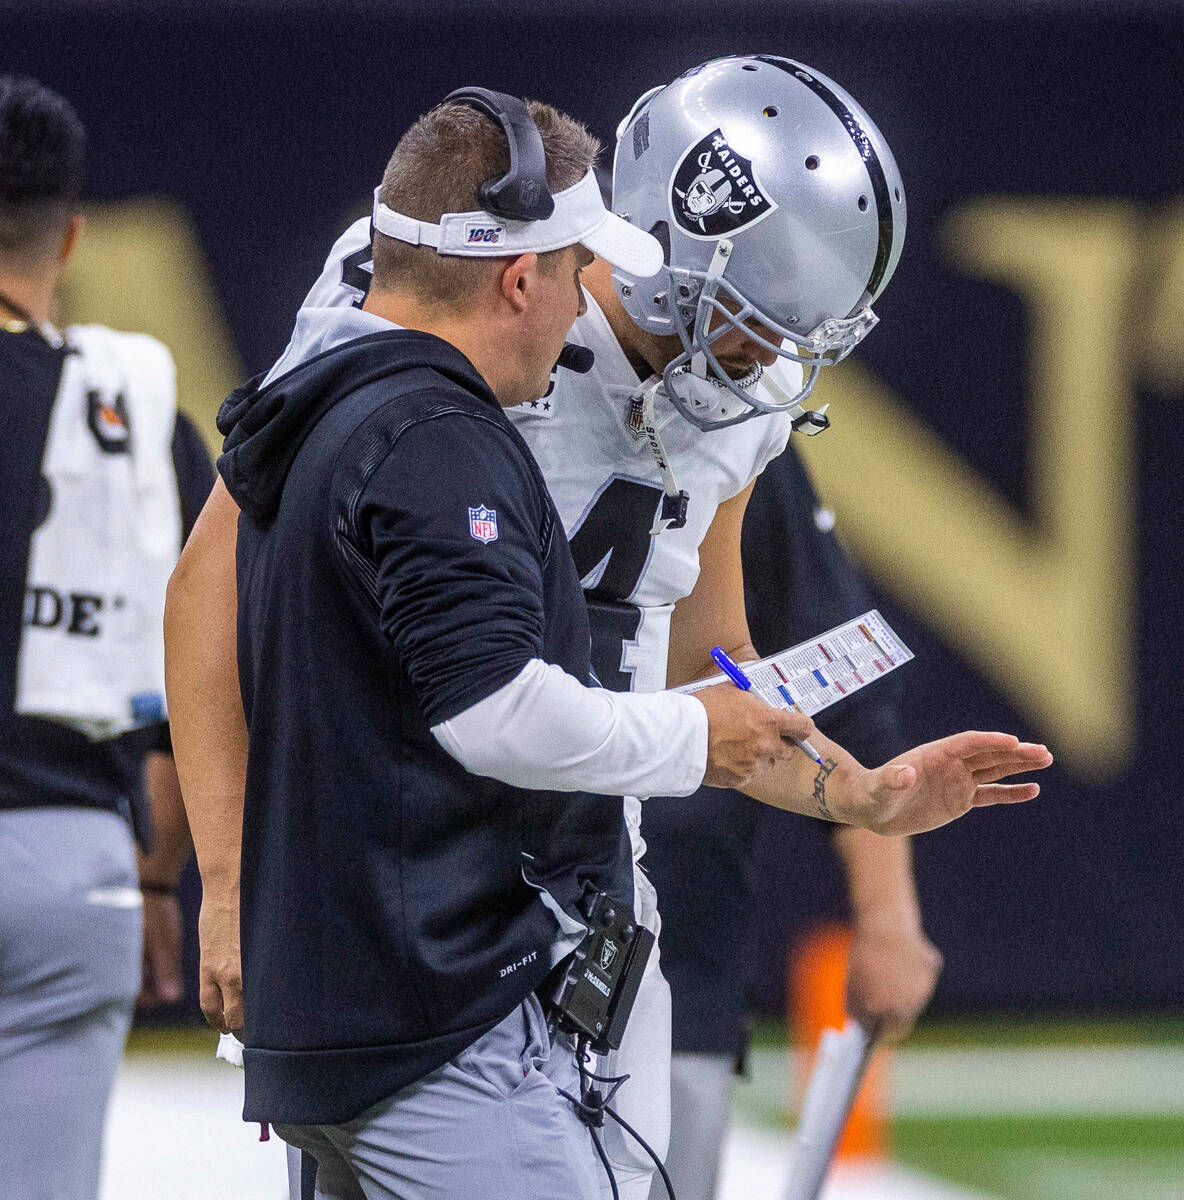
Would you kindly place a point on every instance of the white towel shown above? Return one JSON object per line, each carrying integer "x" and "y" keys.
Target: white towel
{"x": 230, "y": 1049}
{"x": 92, "y": 646}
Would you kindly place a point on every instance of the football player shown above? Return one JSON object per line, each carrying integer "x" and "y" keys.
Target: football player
{"x": 782, "y": 214}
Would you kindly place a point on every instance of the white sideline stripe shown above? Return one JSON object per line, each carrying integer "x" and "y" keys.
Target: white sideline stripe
{"x": 175, "y": 1130}
{"x": 756, "y": 1165}
{"x": 1049, "y": 1081}
{"x": 1076, "y": 1081}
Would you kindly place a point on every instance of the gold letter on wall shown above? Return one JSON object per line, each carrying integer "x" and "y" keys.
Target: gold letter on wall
{"x": 1042, "y": 608}
{"x": 139, "y": 267}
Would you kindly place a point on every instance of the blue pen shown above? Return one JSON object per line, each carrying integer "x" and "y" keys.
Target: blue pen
{"x": 737, "y": 676}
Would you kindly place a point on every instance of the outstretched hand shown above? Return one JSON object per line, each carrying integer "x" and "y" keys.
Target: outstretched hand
{"x": 936, "y": 783}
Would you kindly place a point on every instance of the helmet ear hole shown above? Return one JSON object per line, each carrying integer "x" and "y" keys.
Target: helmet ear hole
{"x": 863, "y": 204}
{"x": 812, "y": 162}
{"x": 661, "y": 231}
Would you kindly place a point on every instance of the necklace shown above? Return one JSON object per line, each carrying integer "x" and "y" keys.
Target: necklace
{"x": 25, "y": 320}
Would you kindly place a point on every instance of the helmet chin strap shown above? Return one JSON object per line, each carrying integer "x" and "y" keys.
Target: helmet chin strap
{"x": 673, "y": 514}
{"x": 803, "y": 419}
{"x": 719, "y": 264}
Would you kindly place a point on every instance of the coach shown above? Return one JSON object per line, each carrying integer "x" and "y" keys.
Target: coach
{"x": 418, "y": 841}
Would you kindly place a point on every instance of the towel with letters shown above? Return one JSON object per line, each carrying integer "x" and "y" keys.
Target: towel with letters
{"x": 92, "y": 644}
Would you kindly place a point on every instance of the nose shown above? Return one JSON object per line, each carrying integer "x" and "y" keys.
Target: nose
{"x": 762, "y": 354}
{"x": 754, "y": 352}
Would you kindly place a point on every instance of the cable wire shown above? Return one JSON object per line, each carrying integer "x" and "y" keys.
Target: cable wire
{"x": 591, "y": 1106}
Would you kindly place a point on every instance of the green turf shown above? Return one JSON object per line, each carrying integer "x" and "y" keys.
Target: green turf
{"x": 187, "y": 1039}
{"x": 1023, "y": 1031}
{"x": 1049, "y": 1158}
{"x": 1012, "y": 1157}
{"x": 1005, "y": 1158}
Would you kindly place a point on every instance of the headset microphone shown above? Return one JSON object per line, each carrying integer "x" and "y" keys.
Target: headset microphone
{"x": 575, "y": 358}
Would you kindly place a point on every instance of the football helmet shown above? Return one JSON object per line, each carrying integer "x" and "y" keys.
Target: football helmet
{"x": 777, "y": 201}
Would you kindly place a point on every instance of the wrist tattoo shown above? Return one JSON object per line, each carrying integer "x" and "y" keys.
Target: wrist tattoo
{"x": 820, "y": 789}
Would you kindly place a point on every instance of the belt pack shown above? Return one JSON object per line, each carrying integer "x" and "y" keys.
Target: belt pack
{"x": 599, "y": 979}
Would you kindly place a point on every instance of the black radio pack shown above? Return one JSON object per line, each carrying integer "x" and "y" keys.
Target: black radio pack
{"x": 600, "y": 978}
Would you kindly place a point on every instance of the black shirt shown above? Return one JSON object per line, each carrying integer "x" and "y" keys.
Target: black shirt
{"x": 399, "y": 559}
{"x": 797, "y": 583}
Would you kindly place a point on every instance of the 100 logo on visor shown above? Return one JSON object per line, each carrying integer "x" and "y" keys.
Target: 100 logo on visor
{"x": 478, "y": 234}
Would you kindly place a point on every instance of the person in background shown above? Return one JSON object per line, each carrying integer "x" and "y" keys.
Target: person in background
{"x": 98, "y": 478}
{"x": 798, "y": 583}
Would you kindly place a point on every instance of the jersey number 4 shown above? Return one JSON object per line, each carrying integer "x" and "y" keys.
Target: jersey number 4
{"x": 357, "y": 273}
{"x": 614, "y": 538}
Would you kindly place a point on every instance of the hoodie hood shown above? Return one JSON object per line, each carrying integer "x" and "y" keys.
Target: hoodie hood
{"x": 265, "y": 421}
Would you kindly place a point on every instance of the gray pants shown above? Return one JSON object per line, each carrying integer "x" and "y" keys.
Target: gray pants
{"x": 701, "y": 1088}
{"x": 70, "y": 930}
{"x": 488, "y": 1125}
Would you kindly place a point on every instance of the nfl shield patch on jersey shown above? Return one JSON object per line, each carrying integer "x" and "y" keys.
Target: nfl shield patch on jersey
{"x": 483, "y": 524}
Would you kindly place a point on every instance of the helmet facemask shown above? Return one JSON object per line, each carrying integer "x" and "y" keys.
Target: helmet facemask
{"x": 698, "y": 299}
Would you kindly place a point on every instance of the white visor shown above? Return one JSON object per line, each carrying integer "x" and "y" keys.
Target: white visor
{"x": 579, "y": 216}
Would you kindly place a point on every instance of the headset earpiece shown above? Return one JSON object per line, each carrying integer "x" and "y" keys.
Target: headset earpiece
{"x": 521, "y": 194}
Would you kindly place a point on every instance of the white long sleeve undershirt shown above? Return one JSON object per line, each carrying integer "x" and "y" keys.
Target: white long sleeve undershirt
{"x": 545, "y": 730}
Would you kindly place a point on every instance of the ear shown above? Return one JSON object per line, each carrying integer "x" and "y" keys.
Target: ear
{"x": 70, "y": 237}
{"x": 518, "y": 279}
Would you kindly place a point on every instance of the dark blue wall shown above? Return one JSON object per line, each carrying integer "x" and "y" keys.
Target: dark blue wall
{"x": 268, "y": 123}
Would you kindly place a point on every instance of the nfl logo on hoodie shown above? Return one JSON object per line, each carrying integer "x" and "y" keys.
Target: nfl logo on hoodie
{"x": 483, "y": 524}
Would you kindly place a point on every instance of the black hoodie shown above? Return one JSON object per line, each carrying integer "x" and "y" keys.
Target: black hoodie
{"x": 399, "y": 559}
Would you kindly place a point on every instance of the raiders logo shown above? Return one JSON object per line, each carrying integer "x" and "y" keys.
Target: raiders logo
{"x": 109, "y": 423}
{"x": 714, "y": 191}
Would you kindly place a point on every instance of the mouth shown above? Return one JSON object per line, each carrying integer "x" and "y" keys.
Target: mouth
{"x": 745, "y": 374}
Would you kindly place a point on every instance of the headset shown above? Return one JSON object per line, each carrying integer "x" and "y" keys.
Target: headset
{"x": 521, "y": 194}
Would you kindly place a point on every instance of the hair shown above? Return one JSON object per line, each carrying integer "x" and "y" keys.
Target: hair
{"x": 42, "y": 148}
{"x": 437, "y": 167}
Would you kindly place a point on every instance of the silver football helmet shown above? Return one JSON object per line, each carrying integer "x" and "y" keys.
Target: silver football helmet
{"x": 778, "y": 202}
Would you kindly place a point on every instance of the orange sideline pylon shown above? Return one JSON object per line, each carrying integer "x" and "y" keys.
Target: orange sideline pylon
{"x": 817, "y": 978}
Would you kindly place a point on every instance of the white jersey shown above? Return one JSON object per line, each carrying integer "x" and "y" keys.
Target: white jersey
{"x": 608, "y": 490}
{"x": 109, "y": 542}
{"x": 606, "y": 484}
